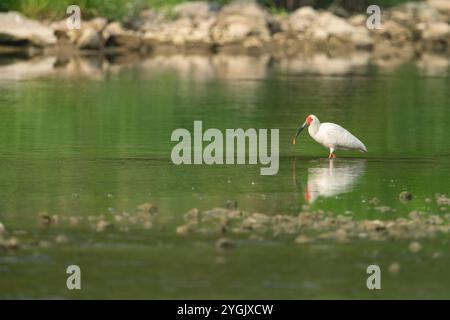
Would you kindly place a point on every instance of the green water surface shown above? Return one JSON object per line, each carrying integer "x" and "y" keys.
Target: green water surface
{"x": 86, "y": 147}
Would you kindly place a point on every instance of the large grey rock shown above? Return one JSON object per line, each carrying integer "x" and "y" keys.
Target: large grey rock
{"x": 393, "y": 32}
{"x": 437, "y": 31}
{"x": 334, "y": 25}
{"x": 240, "y": 20}
{"x": 358, "y": 20}
{"x": 338, "y": 32}
{"x": 115, "y": 35}
{"x": 302, "y": 18}
{"x": 191, "y": 28}
{"x": 198, "y": 26}
{"x": 181, "y": 32}
{"x": 436, "y": 37}
{"x": 15, "y": 28}
{"x": 89, "y": 38}
{"x": 98, "y": 24}
{"x": 412, "y": 13}
{"x": 361, "y": 37}
{"x": 324, "y": 27}
{"x": 442, "y": 6}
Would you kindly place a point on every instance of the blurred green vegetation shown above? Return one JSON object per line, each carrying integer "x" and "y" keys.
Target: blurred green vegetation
{"x": 349, "y": 5}
{"x": 112, "y": 9}
{"x": 118, "y": 9}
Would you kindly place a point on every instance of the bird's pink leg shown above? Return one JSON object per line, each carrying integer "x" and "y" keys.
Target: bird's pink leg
{"x": 332, "y": 155}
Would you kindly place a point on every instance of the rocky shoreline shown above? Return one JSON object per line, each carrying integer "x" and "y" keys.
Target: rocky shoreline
{"x": 242, "y": 27}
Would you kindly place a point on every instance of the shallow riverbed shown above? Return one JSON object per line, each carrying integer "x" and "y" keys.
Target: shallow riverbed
{"x": 101, "y": 146}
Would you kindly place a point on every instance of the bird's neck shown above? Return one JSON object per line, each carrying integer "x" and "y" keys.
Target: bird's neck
{"x": 313, "y": 128}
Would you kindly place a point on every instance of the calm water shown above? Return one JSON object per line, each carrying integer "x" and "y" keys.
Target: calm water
{"x": 101, "y": 145}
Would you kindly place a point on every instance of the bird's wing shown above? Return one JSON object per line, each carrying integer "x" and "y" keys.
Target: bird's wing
{"x": 340, "y": 138}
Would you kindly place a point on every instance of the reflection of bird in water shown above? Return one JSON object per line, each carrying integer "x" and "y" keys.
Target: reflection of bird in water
{"x": 333, "y": 178}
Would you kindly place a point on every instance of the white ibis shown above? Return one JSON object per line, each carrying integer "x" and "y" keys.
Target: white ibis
{"x": 331, "y": 136}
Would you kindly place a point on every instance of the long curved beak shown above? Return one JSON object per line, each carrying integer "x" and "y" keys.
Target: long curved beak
{"x": 294, "y": 139}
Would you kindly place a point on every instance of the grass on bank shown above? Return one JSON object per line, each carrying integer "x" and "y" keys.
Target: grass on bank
{"x": 119, "y": 9}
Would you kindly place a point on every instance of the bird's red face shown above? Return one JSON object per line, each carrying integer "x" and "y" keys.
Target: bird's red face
{"x": 308, "y": 121}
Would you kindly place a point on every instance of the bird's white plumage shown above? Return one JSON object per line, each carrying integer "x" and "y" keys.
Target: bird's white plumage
{"x": 333, "y": 136}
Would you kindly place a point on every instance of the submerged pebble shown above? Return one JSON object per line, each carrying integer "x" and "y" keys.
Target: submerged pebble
{"x": 147, "y": 224}
{"x": 405, "y": 196}
{"x": 224, "y": 244}
{"x": 256, "y": 221}
{"x": 220, "y": 259}
{"x": 20, "y": 232}
{"x": 302, "y": 239}
{"x": 102, "y": 225}
{"x": 414, "y": 215}
{"x": 148, "y": 207}
{"x": 436, "y": 255}
{"x": 192, "y": 216}
{"x": 124, "y": 229}
{"x": 44, "y": 244}
{"x": 61, "y": 238}
{"x": 55, "y": 219}
{"x": 45, "y": 219}
{"x": 232, "y": 204}
{"x": 311, "y": 226}
{"x": 185, "y": 229}
{"x": 415, "y": 247}
{"x": 434, "y": 219}
{"x": 74, "y": 221}
{"x": 383, "y": 209}
{"x": 10, "y": 243}
{"x": 394, "y": 268}
{"x": 255, "y": 237}
{"x": 442, "y": 200}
